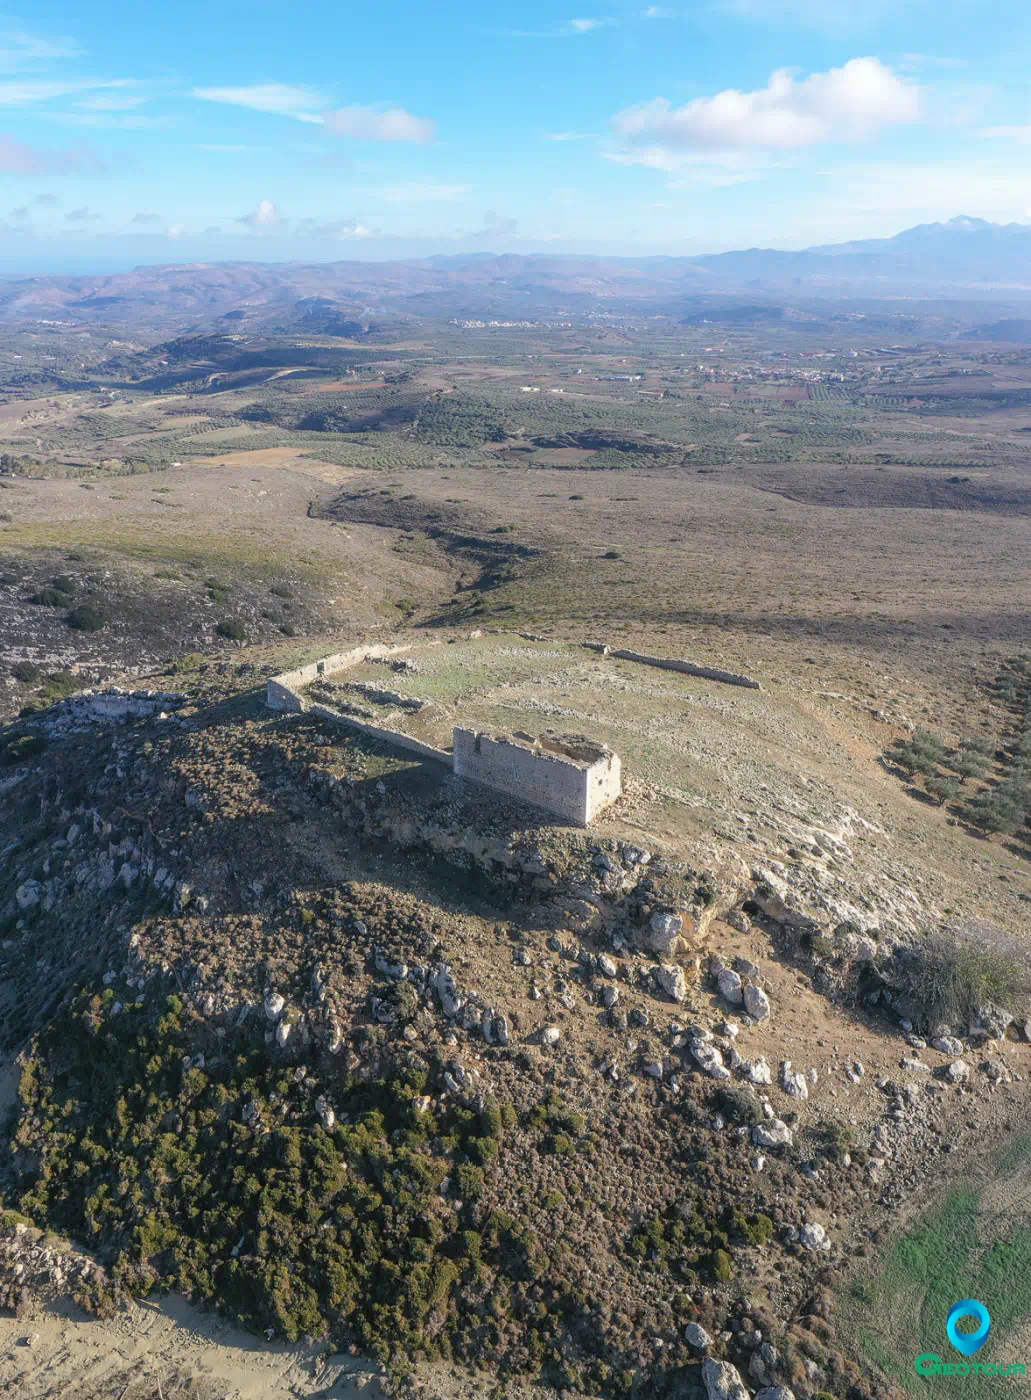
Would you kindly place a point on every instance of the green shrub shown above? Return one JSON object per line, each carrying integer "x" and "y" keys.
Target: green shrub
{"x": 722, "y": 1266}
{"x": 993, "y": 811}
{"x": 469, "y": 1181}
{"x": 739, "y": 1105}
{"x": 17, "y": 748}
{"x": 835, "y": 1138}
{"x": 86, "y": 618}
{"x": 963, "y": 966}
{"x": 50, "y": 597}
{"x": 26, "y": 671}
{"x": 232, "y": 629}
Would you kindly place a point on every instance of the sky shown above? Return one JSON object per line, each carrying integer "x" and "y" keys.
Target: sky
{"x": 138, "y": 133}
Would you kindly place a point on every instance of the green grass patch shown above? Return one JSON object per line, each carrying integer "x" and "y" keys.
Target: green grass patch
{"x": 969, "y": 1245}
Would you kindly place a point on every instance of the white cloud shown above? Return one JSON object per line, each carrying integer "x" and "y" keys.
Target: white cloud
{"x": 305, "y": 104}
{"x": 146, "y": 218}
{"x": 84, "y": 215}
{"x": 117, "y": 121}
{"x": 335, "y": 228}
{"x": 379, "y": 124}
{"x": 26, "y": 51}
{"x": 265, "y": 216}
{"x": 850, "y": 103}
{"x": 658, "y": 12}
{"x": 177, "y": 231}
{"x": 567, "y": 30}
{"x": 111, "y": 104}
{"x": 20, "y": 92}
{"x": 281, "y": 99}
{"x": 419, "y": 192}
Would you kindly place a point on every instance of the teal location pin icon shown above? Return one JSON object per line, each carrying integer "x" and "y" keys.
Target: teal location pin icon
{"x": 968, "y": 1342}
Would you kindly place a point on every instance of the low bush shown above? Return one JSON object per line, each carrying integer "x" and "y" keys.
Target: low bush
{"x": 86, "y": 618}
{"x": 232, "y": 629}
{"x": 963, "y": 966}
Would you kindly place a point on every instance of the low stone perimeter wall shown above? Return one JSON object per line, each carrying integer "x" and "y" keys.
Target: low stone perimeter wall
{"x": 669, "y": 663}
{"x": 282, "y": 690}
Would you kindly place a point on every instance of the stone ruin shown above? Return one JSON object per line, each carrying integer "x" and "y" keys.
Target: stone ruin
{"x": 567, "y": 774}
{"x": 570, "y": 775}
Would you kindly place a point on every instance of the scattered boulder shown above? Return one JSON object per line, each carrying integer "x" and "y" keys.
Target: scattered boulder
{"x": 695, "y": 1335}
{"x": 738, "y": 919}
{"x": 27, "y": 896}
{"x": 991, "y": 1021}
{"x": 757, "y": 1003}
{"x": 956, "y": 1073}
{"x": 722, "y": 1381}
{"x": 662, "y": 934}
{"x": 759, "y": 1071}
{"x": 947, "y": 1044}
{"x": 729, "y": 983}
{"x": 274, "y": 1005}
{"x": 773, "y": 1133}
{"x": 670, "y": 979}
{"x": 813, "y": 1236}
{"x": 550, "y": 1036}
{"x": 444, "y": 985}
{"x": 792, "y": 1083}
{"x": 710, "y": 1060}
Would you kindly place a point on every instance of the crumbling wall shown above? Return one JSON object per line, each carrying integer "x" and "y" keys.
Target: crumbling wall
{"x": 572, "y": 789}
{"x": 281, "y": 692}
{"x": 377, "y": 731}
{"x": 670, "y": 663}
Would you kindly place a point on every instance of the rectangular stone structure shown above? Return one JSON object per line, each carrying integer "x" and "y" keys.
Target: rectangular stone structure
{"x": 569, "y": 775}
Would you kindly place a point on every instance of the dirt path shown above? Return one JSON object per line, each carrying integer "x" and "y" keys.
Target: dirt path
{"x": 63, "y": 1354}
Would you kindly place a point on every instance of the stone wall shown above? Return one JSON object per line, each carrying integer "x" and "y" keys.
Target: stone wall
{"x": 377, "y": 731}
{"x": 575, "y": 788}
{"x": 687, "y": 668}
{"x": 282, "y": 690}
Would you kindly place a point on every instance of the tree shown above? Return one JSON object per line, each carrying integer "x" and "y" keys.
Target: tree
{"x": 943, "y": 789}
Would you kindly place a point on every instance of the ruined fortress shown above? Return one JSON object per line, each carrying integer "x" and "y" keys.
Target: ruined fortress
{"x": 569, "y": 775}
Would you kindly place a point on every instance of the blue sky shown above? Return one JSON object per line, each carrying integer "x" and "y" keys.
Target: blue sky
{"x": 141, "y": 133}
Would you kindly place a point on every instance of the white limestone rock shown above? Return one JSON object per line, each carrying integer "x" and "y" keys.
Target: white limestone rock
{"x": 757, "y": 1003}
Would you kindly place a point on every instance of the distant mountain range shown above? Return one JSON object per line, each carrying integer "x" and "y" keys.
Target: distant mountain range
{"x": 352, "y": 299}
